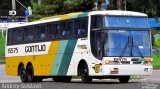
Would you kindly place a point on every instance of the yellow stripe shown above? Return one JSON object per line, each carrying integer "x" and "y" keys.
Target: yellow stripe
{"x": 50, "y": 58}
{"x": 59, "y": 16}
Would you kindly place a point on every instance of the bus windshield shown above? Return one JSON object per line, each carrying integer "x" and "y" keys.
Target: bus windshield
{"x": 123, "y": 43}
{"x": 127, "y": 43}
{"x": 120, "y": 36}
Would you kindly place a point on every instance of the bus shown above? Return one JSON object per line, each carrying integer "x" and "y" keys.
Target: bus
{"x": 93, "y": 45}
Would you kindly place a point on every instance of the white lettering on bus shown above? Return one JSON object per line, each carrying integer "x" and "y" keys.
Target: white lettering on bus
{"x": 12, "y": 50}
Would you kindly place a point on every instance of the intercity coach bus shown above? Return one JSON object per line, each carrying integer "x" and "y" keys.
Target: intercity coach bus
{"x": 93, "y": 45}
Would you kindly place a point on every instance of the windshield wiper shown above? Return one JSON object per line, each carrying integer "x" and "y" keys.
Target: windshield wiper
{"x": 134, "y": 44}
{"x": 138, "y": 50}
{"x": 124, "y": 49}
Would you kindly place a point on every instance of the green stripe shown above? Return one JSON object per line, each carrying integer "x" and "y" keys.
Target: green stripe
{"x": 84, "y": 14}
{"x": 79, "y": 15}
{"x": 59, "y": 56}
{"x": 74, "y": 16}
{"x": 67, "y": 57}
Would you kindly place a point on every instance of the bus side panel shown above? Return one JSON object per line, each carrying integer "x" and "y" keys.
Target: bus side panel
{"x": 58, "y": 58}
{"x": 68, "y": 53}
{"x": 12, "y": 64}
{"x": 63, "y": 57}
{"x": 44, "y": 63}
{"x": 81, "y": 52}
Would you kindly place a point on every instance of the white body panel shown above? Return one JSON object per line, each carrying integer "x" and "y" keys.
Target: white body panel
{"x": 127, "y": 70}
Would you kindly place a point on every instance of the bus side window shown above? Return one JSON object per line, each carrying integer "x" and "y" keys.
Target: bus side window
{"x": 52, "y": 31}
{"x": 69, "y": 28}
{"x": 66, "y": 29}
{"x": 84, "y": 26}
{"x": 77, "y": 30}
{"x": 62, "y": 29}
{"x": 9, "y": 37}
{"x": 55, "y": 30}
{"x": 29, "y": 34}
{"x": 96, "y": 22}
{"x": 18, "y": 36}
{"x": 40, "y": 32}
{"x": 81, "y": 27}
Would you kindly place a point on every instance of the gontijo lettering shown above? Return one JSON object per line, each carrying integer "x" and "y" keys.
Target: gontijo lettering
{"x": 35, "y": 48}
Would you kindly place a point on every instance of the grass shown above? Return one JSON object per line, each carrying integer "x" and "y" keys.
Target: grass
{"x": 156, "y": 61}
{"x": 136, "y": 78}
{"x": 2, "y": 48}
{"x": 2, "y": 44}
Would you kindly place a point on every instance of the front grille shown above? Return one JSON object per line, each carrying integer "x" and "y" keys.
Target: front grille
{"x": 137, "y": 62}
{"x": 125, "y": 62}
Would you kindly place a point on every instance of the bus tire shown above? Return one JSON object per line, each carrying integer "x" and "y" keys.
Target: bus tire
{"x": 30, "y": 75}
{"x": 22, "y": 74}
{"x": 85, "y": 74}
{"x": 124, "y": 79}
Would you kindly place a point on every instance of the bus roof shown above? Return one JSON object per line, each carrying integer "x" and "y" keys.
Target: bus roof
{"x": 81, "y": 14}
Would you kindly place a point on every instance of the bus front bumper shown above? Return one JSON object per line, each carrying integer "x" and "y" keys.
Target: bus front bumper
{"x": 127, "y": 70}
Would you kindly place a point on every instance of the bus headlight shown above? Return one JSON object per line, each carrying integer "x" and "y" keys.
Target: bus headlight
{"x": 112, "y": 62}
{"x": 148, "y": 59}
{"x": 107, "y": 62}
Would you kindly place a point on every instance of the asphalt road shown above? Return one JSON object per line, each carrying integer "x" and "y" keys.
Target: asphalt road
{"x": 149, "y": 82}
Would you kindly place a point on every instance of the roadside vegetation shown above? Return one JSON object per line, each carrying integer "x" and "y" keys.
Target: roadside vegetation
{"x": 2, "y": 47}
{"x": 156, "y": 48}
{"x": 156, "y": 61}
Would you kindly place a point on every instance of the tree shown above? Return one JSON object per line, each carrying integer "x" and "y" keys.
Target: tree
{"x": 145, "y": 6}
{"x": 6, "y": 4}
{"x": 54, "y": 7}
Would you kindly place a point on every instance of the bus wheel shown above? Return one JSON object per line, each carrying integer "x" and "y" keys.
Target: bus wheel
{"x": 22, "y": 74}
{"x": 124, "y": 79}
{"x": 85, "y": 74}
{"x": 30, "y": 74}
